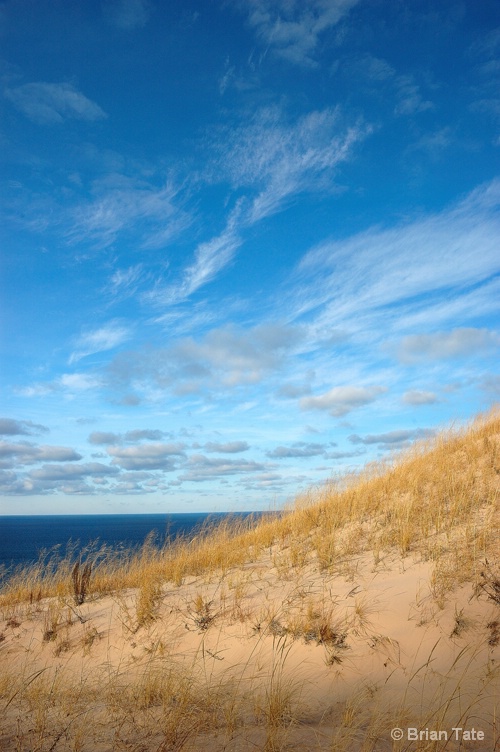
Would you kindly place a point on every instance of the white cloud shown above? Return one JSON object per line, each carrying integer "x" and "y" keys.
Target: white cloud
{"x": 125, "y": 282}
{"x": 342, "y": 399}
{"x": 78, "y": 382}
{"x": 69, "y": 383}
{"x": 298, "y": 449}
{"x": 292, "y": 28}
{"x": 201, "y": 468}
{"x": 236, "y": 356}
{"x": 225, "y": 357}
{"x": 146, "y": 456}
{"x": 275, "y": 161}
{"x": 64, "y": 472}
{"x": 144, "y": 434}
{"x": 99, "y": 340}
{"x": 417, "y": 397}
{"x": 291, "y": 391}
{"x": 209, "y": 259}
{"x": 456, "y": 343}
{"x": 230, "y": 447}
{"x": 279, "y": 160}
{"x": 48, "y": 104}
{"x": 410, "y": 99}
{"x": 25, "y": 453}
{"x": 11, "y": 427}
{"x": 381, "y": 279}
{"x": 393, "y": 438}
{"x": 128, "y": 205}
{"x": 104, "y": 437}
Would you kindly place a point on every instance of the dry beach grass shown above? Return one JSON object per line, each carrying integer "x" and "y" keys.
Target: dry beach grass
{"x": 373, "y": 603}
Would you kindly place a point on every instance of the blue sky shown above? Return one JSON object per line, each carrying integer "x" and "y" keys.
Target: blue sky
{"x": 248, "y": 245}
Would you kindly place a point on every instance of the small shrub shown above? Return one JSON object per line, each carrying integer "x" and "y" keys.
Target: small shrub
{"x": 490, "y": 583}
{"x": 203, "y": 616}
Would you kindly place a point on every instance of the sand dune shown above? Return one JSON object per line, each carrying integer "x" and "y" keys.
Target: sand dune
{"x": 334, "y": 629}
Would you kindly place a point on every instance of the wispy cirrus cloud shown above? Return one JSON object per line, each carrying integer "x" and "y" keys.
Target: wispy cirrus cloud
{"x": 124, "y": 204}
{"x": 49, "y": 103}
{"x": 394, "y": 277}
{"x": 272, "y": 161}
{"x": 210, "y": 258}
{"x": 104, "y": 338}
{"x": 291, "y": 28}
{"x": 68, "y": 383}
{"x": 125, "y": 282}
{"x": 278, "y": 160}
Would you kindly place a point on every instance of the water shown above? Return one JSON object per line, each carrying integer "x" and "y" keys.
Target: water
{"x": 23, "y": 538}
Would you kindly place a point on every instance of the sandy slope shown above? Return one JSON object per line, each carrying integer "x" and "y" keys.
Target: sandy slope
{"x": 262, "y": 658}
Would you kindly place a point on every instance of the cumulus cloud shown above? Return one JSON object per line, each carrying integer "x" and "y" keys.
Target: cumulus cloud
{"x": 230, "y": 447}
{"x": 343, "y": 455}
{"x": 456, "y": 343}
{"x": 292, "y": 28}
{"x": 99, "y": 340}
{"x": 342, "y": 399}
{"x": 48, "y": 104}
{"x": 11, "y": 427}
{"x": 227, "y": 356}
{"x": 25, "y": 453}
{"x": 392, "y": 439}
{"x": 65, "y": 472}
{"x": 417, "y": 397}
{"x": 201, "y": 468}
{"x": 104, "y": 437}
{"x": 147, "y": 434}
{"x": 139, "y": 434}
{"x": 292, "y": 391}
{"x": 147, "y": 456}
{"x": 298, "y": 449}
{"x": 239, "y": 356}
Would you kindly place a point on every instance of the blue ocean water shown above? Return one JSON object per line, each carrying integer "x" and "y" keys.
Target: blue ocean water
{"x": 24, "y": 538}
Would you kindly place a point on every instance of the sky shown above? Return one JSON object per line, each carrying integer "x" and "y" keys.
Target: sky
{"x": 248, "y": 246}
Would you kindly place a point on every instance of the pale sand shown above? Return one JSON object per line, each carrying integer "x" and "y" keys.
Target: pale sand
{"x": 396, "y": 655}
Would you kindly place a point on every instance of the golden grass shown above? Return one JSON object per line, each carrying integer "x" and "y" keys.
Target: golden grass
{"x": 421, "y": 501}
{"x": 266, "y": 586}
